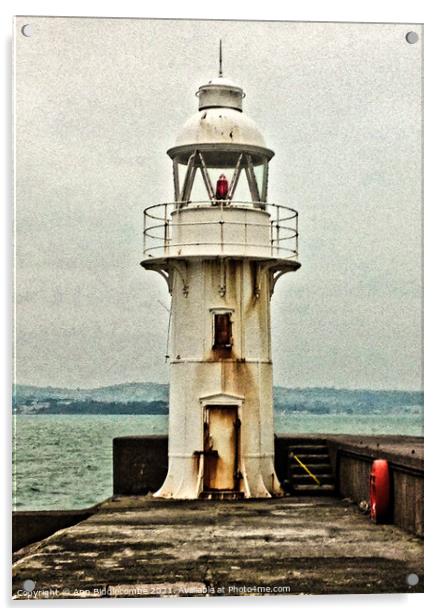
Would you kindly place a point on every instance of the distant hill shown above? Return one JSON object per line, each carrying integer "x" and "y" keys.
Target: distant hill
{"x": 151, "y": 399}
{"x": 127, "y": 392}
{"x": 331, "y": 400}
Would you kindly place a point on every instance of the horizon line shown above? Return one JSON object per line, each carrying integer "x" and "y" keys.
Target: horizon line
{"x": 95, "y": 387}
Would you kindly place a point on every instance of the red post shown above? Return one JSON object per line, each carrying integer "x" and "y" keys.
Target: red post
{"x": 380, "y": 500}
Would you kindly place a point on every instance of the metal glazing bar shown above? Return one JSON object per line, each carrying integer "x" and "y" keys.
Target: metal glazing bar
{"x": 265, "y": 181}
{"x": 251, "y": 178}
{"x": 176, "y": 180}
{"x": 235, "y": 179}
{"x": 188, "y": 180}
{"x": 206, "y": 178}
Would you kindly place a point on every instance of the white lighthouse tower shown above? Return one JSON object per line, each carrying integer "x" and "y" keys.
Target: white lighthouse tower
{"x": 221, "y": 247}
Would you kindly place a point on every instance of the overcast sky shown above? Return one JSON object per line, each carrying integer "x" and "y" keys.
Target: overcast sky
{"x": 98, "y": 103}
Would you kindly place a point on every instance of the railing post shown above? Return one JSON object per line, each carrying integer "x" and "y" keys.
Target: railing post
{"x": 277, "y": 227}
{"x": 144, "y": 232}
{"x": 166, "y": 231}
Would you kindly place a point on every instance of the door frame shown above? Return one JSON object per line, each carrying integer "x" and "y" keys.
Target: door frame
{"x": 221, "y": 399}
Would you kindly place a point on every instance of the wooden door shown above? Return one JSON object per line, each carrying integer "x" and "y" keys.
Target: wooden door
{"x": 221, "y": 448}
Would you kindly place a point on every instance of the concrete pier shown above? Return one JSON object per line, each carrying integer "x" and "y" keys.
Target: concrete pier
{"x": 140, "y": 546}
{"x": 140, "y": 466}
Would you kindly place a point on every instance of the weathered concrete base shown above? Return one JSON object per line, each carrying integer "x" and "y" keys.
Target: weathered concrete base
{"x": 139, "y": 546}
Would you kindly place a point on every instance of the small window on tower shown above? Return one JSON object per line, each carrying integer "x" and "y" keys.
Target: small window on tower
{"x": 222, "y": 338}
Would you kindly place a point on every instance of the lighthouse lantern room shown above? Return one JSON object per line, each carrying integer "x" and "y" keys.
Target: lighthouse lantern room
{"x": 220, "y": 247}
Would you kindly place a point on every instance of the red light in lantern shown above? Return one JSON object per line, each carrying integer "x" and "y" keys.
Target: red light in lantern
{"x": 222, "y": 187}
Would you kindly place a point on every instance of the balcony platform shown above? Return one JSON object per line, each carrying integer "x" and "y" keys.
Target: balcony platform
{"x": 162, "y": 262}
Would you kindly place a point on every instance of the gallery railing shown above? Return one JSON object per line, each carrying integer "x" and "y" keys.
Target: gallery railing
{"x": 160, "y": 229}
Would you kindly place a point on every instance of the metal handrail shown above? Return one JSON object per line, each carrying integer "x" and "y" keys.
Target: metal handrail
{"x": 292, "y": 233}
{"x": 251, "y": 205}
{"x": 280, "y": 234}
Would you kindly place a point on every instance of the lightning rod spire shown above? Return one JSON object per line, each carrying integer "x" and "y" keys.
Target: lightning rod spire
{"x": 220, "y": 58}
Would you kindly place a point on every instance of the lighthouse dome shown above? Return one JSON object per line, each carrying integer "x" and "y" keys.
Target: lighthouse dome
{"x": 220, "y": 125}
{"x": 220, "y": 128}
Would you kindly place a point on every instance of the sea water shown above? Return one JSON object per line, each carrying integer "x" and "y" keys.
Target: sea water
{"x": 65, "y": 461}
